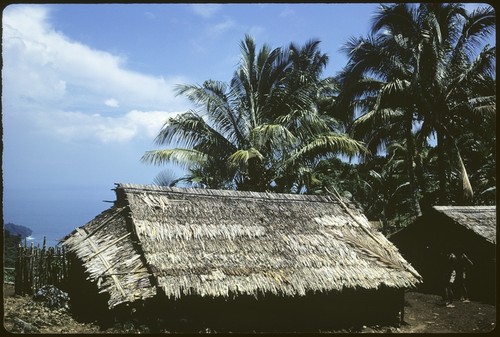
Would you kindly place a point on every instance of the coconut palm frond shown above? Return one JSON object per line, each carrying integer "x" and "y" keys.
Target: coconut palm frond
{"x": 480, "y": 23}
{"x": 167, "y": 178}
{"x": 218, "y": 101}
{"x": 275, "y": 135}
{"x": 400, "y": 187}
{"x": 240, "y": 158}
{"x": 326, "y": 144}
{"x": 188, "y": 127}
{"x": 398, "y": 18}
{"x": 466, "y": 185}
{"x": 202, "y": 95}
{"x": 379, "y": 117}
{"x": 474, "y": 73}
{"x": 193, "y": 131}
{"x": 486, "y": 110}
{"x": 376, "y": 251}
{"x": 182, "y": 157}
{"x": 378, "y": 127}
{"x": 396, "y": 86}
{"x": 306, "y": 123}
{"x": 489, "y": 190}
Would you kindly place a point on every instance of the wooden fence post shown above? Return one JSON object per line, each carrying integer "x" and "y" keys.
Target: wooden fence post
{"x": 18, "y": 272}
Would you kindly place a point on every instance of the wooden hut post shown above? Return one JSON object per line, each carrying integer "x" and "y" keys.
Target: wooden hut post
{"x": 50, "y": 270}
{"x": 31, "y": 265}
{"x": 64, "y": 276}
{"x": 42, "y": 272}
{"x": 25, "y": 268}
{"x": 402, "y": 316}
{"x": 19, "y": 270}
{"x": 35, "y": 267}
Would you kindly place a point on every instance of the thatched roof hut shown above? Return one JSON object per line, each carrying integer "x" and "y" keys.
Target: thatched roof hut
{"x": 444, "y": 229}
{"x": 226, "y": 244}
{"x": 479, "y": 219}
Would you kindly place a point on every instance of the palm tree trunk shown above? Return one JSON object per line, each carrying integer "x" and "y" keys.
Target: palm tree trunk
{"x": 410, "y": 153}
{"x": 441, "y": 167}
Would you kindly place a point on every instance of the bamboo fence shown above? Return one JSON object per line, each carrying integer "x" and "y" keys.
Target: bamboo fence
{"x": 36, "y": 267}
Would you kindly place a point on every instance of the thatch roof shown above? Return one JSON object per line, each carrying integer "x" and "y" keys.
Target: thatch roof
{"x": 224, "y": 243}
{"x": 479, "y": 219}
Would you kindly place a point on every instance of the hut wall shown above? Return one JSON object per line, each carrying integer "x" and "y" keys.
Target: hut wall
{"x": 86, "y": 303}
{"x": 311, "y": 313}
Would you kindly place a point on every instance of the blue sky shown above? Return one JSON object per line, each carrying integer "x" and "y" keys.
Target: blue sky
{"x": 86, "y": 88}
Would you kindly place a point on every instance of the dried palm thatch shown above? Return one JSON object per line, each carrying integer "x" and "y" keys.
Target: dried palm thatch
{"x": 105, "y": 248}
{"x": 225, "y": 243}
{"x": 479, "y": 219}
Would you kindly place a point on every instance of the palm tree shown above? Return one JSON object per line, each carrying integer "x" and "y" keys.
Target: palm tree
{"x": 453, "y": 75}
{"x": 377, "y": 83}
{"x": 419, "y": 67}
{"x": 250, "y": 133}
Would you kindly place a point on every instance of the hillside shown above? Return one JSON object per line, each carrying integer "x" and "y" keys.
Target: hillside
{"x": 18, "y": 230}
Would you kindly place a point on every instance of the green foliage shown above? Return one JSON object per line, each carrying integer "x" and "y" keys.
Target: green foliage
{"x": 422, "y": 74}
{"x": 10, "y": 249}
{"x": 11, "y": 244}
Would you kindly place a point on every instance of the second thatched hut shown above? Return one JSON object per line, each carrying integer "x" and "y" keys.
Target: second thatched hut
{"x": 453, "y": 229}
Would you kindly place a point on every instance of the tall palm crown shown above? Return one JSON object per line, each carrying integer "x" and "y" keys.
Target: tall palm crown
{"x": 421, "y": 64}
{"x": 250, "y": 132}
{"x": 455, "y": 76}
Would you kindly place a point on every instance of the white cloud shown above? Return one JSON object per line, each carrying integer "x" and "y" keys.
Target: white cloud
{"x": 78, "y": 126}
{"x": 212, "y": 33}
{"x": 205, "y": 10}
{"x": 112, "y": 103}
{"x": 45, "y": 71}
{"x": 221, "y": 27}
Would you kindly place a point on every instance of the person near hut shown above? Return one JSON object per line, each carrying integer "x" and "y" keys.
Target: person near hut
{"x": 450, "y": 276}
{"x": 463, "y": 264}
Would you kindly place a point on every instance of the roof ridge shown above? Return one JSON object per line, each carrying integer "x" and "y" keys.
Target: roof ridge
{"x": 228, "y": 193}
{"x": 438, "y": 207}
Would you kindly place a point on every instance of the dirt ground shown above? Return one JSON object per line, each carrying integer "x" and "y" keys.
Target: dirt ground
{"x": 424, "y": 313}
{"x": 427, "y": 313}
